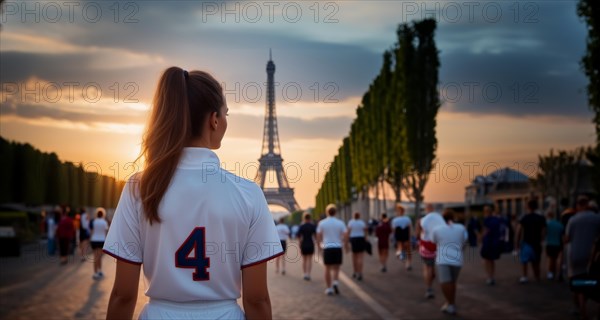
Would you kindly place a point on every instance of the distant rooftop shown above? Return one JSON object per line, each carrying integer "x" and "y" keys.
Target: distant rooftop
{"x": 506, "y": 175}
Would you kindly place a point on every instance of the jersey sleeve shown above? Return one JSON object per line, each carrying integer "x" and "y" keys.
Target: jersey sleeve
{"x": 263, "y": 242}
{"x": 123, "y": 241}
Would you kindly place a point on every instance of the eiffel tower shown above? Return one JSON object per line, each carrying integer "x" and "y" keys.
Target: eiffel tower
{"x": 270, "y": 159}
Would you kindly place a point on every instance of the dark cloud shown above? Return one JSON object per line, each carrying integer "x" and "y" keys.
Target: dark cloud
{"x": 76, "y": 68}
{"x": 240, "y": 125}
{"x": 244, "y": 126}
{"x": 516, "y": 68}
{"x": 512, "y": 84}
{"x": 527, "y": 62}
{"x": 81, "y": 116}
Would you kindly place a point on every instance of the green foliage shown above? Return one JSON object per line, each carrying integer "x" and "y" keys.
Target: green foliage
{"x": 33, "y": 177}
{"x": 7, "y": 169}
{"x": 393, "y": 137}
{"x": 558, "y": 174}
{"x": 593, "y": 156}
{"x": 589, "y": 11}
{"x": 295, "y": 218}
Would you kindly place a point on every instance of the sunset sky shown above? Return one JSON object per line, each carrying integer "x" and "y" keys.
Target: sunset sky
{"x": 78, "y": 79}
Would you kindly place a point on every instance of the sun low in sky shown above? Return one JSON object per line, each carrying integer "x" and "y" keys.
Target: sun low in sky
{"x": 77, "y": 78}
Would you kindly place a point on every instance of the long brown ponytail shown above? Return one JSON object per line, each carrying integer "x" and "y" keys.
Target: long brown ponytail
{"x": 180, "y": 106}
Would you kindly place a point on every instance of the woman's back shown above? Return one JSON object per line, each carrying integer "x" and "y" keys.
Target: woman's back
{"x": 192, "y": 225}
{"x": 211, "y": 227}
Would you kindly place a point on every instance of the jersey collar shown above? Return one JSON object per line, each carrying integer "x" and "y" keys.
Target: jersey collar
{"x": 198, "y": 158}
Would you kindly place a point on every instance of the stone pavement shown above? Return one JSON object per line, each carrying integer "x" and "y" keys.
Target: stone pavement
{"x": 34, "y": 286}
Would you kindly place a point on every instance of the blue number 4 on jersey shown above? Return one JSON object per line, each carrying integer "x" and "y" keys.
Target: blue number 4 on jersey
{"x": 195, "y": 242}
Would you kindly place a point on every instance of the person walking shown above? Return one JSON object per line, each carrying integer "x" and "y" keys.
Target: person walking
{"x": 357, "y": 231}
{"x": 332, "y": 237}
{"x": 554, "y": 245}
{"x": 182, "y": 202}
{"x": 307, "y": 236}
{"x": 473, "y": 229}
{"x": 51, "y": 227}
{"x": 99, "y": 230}
{"x": 563, "y": 266}
{"x": 402, "y": 226}
{"x": 84, "y": 234}
{"x": 427, "y": 248}
{"x": 450, "y": 240}
{"x": 283, "y": 231}
{"x": 582, "y": 232}
{"x": 491, "y": 242}
{"x": 65, "y": 233}
{"x": 383, "y": 232}
{"x": 530, "y": 232}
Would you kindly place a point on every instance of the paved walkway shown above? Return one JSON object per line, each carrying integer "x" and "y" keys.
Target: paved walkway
{"x": 34, "y": 286}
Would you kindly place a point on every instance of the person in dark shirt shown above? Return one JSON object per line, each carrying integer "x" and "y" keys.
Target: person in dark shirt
{"x": 383, "y": 232}
{"x": 473, "y": 229}
{"x": 306, "y": 237}
{"x": 530, "y": 232}
{"x": 491, "y": 242}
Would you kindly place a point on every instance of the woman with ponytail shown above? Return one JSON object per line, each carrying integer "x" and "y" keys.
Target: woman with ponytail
{"x": 201, "y": 234}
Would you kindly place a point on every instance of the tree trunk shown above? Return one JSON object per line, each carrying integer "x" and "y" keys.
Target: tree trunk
{"x": 377, "y": 203}
{"x": 384, "y": 194}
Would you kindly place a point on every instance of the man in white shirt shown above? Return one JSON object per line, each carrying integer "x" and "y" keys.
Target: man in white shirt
{"x": 331, "y": 234}
{"x": 427, "y": 248}
{"x": 284, "y": 233}
{"x": 99, "y": 230}
{"x": 450, "y": 240}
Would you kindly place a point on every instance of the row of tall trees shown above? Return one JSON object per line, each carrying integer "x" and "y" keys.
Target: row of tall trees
{"x": 589, "y": 11}
{"x": 392, "y": 140}
{"x": 32, "y": 177}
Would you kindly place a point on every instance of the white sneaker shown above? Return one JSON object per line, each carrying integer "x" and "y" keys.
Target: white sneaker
{"x": 329, "y": 291}
{"x": 429, "y": 294}
{"x": 523, "y": 280}
{"x": 450, "y": 309}
{"x": 96, "y": 276}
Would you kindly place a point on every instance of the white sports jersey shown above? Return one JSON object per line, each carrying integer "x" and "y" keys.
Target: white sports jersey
{"x": 357, "y": 228}
{"x": 99, "y": 231}
{"x": 283, "y": 231}
{"x": 214, "y": 223}
{"x": 401, "y": 222}
{"x": 429, "y": 222}
{"x": 333, "y": 230}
